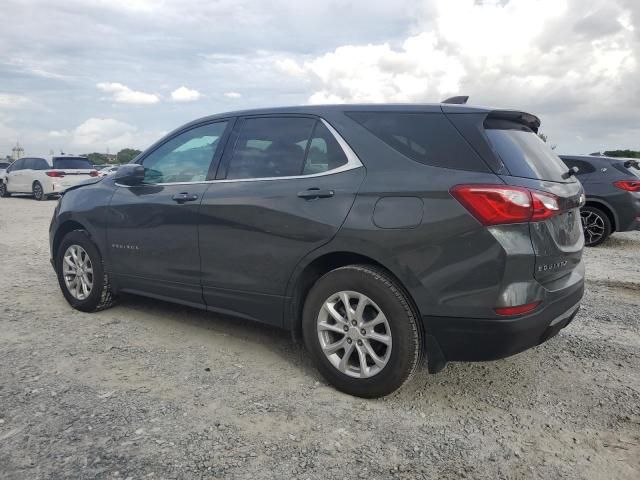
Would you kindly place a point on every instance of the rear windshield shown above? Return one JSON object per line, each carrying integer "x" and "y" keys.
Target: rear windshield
{"x": 71, "y": 163}
{"x": 523, "y": 153}
{"x": 628, "y": 166}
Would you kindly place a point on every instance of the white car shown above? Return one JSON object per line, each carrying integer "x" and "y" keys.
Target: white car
{"x": 107, "y": 171}
{"x": 45, "y": 176}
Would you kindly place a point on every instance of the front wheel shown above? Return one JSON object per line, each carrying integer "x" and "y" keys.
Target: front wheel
{"x": 361, "y": 331}
{"x": 596, "y": 225}
{"x": 81, "y": 276}
{"x": 3, "y": 190}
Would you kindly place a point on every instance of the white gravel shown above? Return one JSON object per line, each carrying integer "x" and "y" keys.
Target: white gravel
{"x": 153, "y": 390}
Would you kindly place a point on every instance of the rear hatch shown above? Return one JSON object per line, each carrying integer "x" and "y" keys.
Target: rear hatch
{"x": 72, "y": 170}
{"x": 528, "y": 162}
{"x": 508, "y": 143}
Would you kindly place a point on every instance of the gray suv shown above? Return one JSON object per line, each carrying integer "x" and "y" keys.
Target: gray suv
{"x": 612, "y": 186}
{"x": 383, "y": 233}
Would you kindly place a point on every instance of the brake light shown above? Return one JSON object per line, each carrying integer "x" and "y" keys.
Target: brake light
{"x": 93, "y": 173}
{"x": 628, "y": 185}
{"x": 517, "y": 310}
{"x": 545, "y": 205}
{"x": 504, "y": 204}
{"x": 55, "y": 173}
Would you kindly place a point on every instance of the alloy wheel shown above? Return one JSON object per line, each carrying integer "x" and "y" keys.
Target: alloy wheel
{"x": 592, "y": 225}
{"x": 354, "y": 334}
{"x": 37, "y": 191}
{"x": 77, "y": 271}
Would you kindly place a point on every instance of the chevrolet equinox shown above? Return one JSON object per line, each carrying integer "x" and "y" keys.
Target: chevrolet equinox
{"x": 384, "y": 233}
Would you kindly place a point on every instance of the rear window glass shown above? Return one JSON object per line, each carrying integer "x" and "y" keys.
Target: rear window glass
{"x": 523, "y": 153}
{"x": 427, "y": 138}
{"x": 626, "y": 166}
{"x": 71, "y": 163}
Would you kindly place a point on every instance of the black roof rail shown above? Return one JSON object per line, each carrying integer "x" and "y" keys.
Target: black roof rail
{"x": 459, "y": 100}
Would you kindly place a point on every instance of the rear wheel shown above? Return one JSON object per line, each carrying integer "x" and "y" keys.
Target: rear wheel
{"x": 595, "y": 224}
{"x": 81, "y": 276}
{"x": 361, "y": 331}
{"x": 38, "y": 192}
{"x": 3, "y": 190}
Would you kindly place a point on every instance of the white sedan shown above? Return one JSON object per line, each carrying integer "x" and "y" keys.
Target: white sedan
{"x": 45, "y": 176}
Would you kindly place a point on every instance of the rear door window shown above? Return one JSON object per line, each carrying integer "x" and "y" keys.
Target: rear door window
{"x": 584, "y": 167}
{"x": 523, "y": 153}
{"x": 269, "y": 147}
{"x": 428, "y": 138}
{"x": 39, "y": 164}
{"x": 72, "y": 163}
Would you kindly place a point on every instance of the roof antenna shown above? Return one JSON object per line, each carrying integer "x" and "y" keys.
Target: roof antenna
{"x": 460, "y": 100}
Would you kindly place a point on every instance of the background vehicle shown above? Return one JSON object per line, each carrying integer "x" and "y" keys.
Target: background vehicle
{"x": 45, "y": 176}
{"x": 379, "y": 231}
{"x": 612, "y": 186}
{"x": 107, "y": 170}
{"x": 3, "y": 167}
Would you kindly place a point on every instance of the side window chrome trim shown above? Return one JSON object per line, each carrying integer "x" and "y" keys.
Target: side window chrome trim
{"x": 353, "y": 162}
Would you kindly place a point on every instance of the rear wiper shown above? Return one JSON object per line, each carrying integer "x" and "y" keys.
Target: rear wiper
{"x": 632, "y": 163}
{"x": 570, "y": 173}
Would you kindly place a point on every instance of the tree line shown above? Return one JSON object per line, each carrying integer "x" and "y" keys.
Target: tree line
{"x": 123, "y": 156}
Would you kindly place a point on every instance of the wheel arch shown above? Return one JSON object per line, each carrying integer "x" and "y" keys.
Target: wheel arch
{"x": 307, "y": 273}
{"x": 606, "y": 208}
{"x": 65, "y": 228}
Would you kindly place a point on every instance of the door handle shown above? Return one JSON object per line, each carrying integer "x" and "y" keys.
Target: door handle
{"x": 316, "y": 193}
{"x": 184, "y": 197}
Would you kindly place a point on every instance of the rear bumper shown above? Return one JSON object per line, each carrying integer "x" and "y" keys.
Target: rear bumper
{"x": 475, "y": 339}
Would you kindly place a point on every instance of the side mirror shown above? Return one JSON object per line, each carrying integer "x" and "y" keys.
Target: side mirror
{"x": 130, "y": 174}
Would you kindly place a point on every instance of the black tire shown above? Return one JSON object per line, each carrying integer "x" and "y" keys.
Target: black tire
{"x": 596, "y": 225}
{"x": 3, "y": 190}
{"x": 101, "y": 295}
{"x": 38, "y": 192}
{"x": 407, "y": 342}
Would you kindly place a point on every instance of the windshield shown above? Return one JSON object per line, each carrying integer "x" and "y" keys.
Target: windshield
{"x": 4, "y": 164}
{"x": 524, "y": 154}
{"x": 72, "y": 163}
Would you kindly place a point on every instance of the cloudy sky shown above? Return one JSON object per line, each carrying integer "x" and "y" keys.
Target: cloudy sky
{"x": 87, "y": 75}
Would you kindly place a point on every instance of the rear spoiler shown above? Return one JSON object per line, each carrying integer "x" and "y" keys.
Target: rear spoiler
{"x": 632, "y": 163}
{"x": 523, "y": 118}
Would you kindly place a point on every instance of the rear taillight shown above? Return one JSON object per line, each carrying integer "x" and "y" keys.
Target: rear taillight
{"x": 93, "y": 173}
{"x": 628, "y": 185}
{"x": 55, "y": 173}
{"x": 517, "y": 310}
{"x": 503, "y": 204}
{"x": 545, "y": 205}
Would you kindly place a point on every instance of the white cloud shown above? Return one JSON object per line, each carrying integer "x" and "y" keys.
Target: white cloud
{"x": 10, "y": 100}
{"x": 184, "y": 94}
{"x": 98, "y": 134}
{"x": 551, "y": 57}
{"x": 123, "y": 94}
{"x": 232, "y": 95}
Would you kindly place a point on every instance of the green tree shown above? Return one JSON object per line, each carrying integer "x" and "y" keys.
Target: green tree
{"x": 126, "y": 155}
{"x": 622, "y": 153}
{"x": 97, "y": 158}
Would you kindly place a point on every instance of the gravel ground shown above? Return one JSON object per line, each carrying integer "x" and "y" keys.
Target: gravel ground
{"x": 153, "y": 390}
